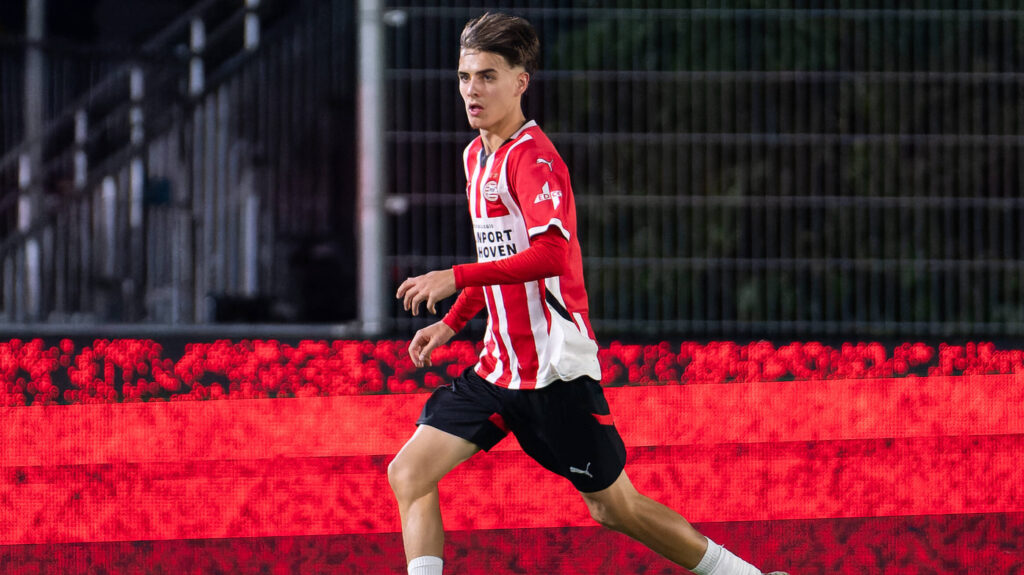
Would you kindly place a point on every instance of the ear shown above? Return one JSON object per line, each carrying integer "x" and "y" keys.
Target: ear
{"x": 522, "y": 83}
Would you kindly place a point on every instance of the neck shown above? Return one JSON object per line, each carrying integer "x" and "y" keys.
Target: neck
{"x": 496, "y": 136}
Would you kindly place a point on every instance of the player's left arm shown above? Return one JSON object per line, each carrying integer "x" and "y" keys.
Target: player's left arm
{"x": 428, "y": 288}
{"x": 547, "y": 256}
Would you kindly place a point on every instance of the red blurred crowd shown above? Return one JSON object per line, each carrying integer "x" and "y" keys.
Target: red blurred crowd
{"x": 129, "y": 370}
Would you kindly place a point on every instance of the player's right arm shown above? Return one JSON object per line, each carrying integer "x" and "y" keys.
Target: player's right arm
{"x": 428, "y": 339}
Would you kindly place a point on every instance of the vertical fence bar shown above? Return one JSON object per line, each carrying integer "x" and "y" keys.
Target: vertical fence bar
{"x": 108, "y": 226}
{"x": 251, "y": 39}
{"x": 211, "y": 252}
{"x": 135, "y": 281}
{"x": 196, "y": 69}
{"x": 371, "y": 127}
{"x": 226, "y": 220}
{"x": 9, "y": 287}
{"x": 28, "y": 202}
{"x": 81, "y": 159}
{"x": 197, "y": 232}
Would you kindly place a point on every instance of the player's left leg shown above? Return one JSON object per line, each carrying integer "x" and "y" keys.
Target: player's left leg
{"x": 622, "y": 508}
{"x": 567, "y": 427}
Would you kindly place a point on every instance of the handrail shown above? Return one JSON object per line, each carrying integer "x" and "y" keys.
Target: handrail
{"x": 148, "y": 49}
{"x": 120, "y": 74}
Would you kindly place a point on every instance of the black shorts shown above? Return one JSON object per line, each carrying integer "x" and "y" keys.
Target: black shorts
{"x": 566, "y": 426}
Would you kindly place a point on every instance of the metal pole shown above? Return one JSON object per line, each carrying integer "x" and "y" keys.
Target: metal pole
{"x": 196, "y": 70}
{"x": 31, "y": 162}
{"x": 137, "y": 175}
{"x": 81, "y": 159}
{"x": 371, "y": 169}
{"x": 134, "y": 285}
{"x": 35, "y": 73}
{"x": 30, "y": 282}
{"x": 252, "y": 25}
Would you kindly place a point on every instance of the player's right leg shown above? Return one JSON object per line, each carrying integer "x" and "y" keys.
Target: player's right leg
{"x": 414, "y": 473}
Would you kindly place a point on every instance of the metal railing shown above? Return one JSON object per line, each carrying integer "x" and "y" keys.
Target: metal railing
{"x": 202, "y": 182}
{"x": 743, "y": 171}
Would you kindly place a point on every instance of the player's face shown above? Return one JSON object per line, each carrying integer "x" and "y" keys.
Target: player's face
{"x": 491, "y": 90}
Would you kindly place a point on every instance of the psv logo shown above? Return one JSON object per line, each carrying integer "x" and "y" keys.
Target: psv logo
{"x": 491, "y": 191}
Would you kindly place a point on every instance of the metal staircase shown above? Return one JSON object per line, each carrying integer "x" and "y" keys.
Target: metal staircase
{"x": 197, "y": 182}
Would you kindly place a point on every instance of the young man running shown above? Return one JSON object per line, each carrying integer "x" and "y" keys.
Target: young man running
{"x": 538, "y": 373}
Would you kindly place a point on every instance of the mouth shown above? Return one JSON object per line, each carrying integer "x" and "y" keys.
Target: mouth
{"x": 474, "y": 109}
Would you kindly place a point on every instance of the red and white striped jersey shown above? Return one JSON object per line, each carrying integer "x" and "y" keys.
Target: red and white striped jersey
{"x": 538, "y": 332}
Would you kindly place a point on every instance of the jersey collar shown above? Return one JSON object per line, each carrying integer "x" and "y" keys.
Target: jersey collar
{"x": 483, "y": 149}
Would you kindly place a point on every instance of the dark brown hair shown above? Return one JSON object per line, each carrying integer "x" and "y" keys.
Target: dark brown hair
{"x": 510, "y": 37}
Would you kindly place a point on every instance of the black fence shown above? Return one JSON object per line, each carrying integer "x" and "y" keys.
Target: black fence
{"x": 812, "y": 168}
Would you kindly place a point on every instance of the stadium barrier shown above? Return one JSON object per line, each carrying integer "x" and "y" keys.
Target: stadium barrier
{"x": 809, "y": 457}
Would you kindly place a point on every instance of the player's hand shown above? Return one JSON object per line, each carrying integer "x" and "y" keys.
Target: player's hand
{"x": 430, "y": 288}
{"x": 426, "y": 340}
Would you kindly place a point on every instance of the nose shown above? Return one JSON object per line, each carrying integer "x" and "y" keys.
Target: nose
{"x": 472, "y": 86}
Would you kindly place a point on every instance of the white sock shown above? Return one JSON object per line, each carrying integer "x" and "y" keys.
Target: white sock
{"x": 710, "y": 560}
{"x": 426, "y": 565}
{"x": 718, "y": 560}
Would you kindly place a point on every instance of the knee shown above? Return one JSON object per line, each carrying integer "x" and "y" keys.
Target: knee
{"x": 406, "y": 481}
{"x": 399, "y": 475}
{"x": 617, "y": 516}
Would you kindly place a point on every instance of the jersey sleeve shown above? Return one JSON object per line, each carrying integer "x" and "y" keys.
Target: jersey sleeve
{"x": 547, "y": 256}
{"x": 468, "y": 304}
{"x": 540, "y": 183}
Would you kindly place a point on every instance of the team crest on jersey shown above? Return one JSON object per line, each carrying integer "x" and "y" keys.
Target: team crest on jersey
{"x": 491, "y": 191}
{"x": 546, "y": 193}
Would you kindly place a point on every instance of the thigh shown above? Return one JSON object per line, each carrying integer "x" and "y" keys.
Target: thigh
{"x": 567, "y": 427}
{"x": 431, "y": 453}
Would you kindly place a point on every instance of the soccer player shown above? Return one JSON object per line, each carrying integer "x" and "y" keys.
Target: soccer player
{"x": 538, "y": 374}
